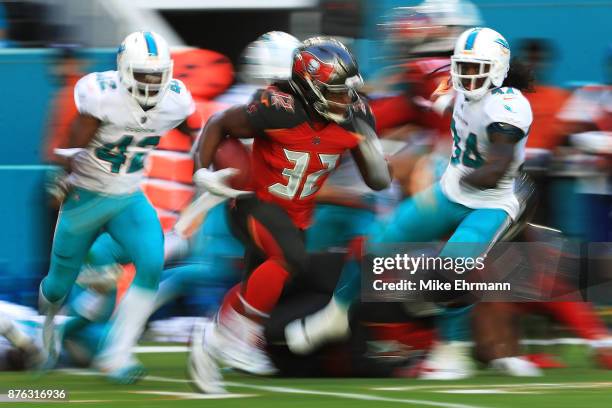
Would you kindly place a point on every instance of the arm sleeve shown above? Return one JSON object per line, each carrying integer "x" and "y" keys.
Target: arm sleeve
{"x": 510, "y": 133}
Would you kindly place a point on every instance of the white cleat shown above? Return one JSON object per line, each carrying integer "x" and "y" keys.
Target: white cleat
{"x": 448, "y": 361}
{"x": 329, "y": 324}
{"x": 516, "y": 367}
{"x": 202, "y": 367}
{"x": 239, "y": 342}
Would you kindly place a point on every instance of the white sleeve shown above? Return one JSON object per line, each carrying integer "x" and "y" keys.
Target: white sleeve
{"x": 184, "y": 106}
{"x": 511, "y": 108}
{"x": 87, "y": 96}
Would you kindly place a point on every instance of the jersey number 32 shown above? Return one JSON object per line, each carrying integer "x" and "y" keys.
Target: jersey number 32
{"x": 295, "y": 175}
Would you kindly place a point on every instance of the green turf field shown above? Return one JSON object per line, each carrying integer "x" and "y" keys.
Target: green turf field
{"x": 580, "y": 386}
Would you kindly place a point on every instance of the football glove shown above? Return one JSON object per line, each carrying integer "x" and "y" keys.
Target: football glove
{"x": 56, "y": 184}
{"x": 216, "y": 182}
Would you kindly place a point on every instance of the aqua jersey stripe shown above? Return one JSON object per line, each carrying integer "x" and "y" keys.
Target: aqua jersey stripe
{"x": 151, "y": 46}
{"x": 471, "y": 39}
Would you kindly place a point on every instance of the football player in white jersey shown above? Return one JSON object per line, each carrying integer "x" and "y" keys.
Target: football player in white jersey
{"x": 474, "y": 202}
{"x": 122, "y": 115}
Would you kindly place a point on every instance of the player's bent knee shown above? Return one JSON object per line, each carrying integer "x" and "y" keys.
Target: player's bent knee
{"x": 148, "y": 272}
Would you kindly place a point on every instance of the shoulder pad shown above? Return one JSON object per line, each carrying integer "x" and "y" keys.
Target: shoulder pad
{"x": 273, "y": 98}
{"x": 88, "y": 93}
{"x": 508, "y": 105}
{"x": 181, "y": 96}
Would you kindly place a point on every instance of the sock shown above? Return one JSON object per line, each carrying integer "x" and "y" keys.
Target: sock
{"x": 264, "y": 287}
{"x": 45, "y": 304}
{"x": 126, "y": 328}
{"x": 349, "y": 283}
{"x": 578, "y": 316}
{"x": 454, "y": 324}
{"x": 231, "y": 301}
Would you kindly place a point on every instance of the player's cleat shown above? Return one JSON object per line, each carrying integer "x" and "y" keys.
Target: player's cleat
{"x": 448, "y": 361}
{"x": 307, "y": 334}
{"x": 202, "y": 367}
{"x": 129, "y": 374}
{"x": 516, "y": 367}
{"x": 238, "y": 342}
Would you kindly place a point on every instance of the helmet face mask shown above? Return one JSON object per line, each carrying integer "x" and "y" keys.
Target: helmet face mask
{"x": 326, "y": 76}
{"x": 337, "y": 102}
{"x": 145, "y": 67}
{"x": 481, "y": 60}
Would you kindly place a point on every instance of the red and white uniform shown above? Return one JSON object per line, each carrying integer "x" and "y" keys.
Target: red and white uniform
{"x": 293, "y": 156}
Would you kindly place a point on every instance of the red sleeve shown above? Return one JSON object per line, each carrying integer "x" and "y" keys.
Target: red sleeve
{"x": 392, "y": 111}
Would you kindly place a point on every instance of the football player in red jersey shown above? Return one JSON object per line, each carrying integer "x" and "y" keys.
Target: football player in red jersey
{"x": 301, "y": 129}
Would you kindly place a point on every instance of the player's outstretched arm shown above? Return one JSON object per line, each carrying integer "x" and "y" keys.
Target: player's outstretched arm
{"x": 503, "y": 137}
{"x": 370, "y": 158}
{"x": 232, "y": 122}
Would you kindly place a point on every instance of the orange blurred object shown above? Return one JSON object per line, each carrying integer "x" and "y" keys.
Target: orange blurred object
{"x": 206, "y": 73}
{"x": 168, "y": 195}
{"x": 546, "y": 102}
{"x": 172, "y": 166}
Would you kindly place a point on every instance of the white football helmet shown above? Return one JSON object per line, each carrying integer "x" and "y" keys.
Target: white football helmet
{"x": 481, "y": 60}
{"x": 145, "y": 66}
{"x": 269, "y": 58}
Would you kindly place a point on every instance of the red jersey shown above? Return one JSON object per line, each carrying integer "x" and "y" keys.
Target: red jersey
{"x": 421, "y": 77}
{"x": 293, "y": 156}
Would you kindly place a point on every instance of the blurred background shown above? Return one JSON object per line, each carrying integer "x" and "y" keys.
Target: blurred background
{"x": 46, "y": 45}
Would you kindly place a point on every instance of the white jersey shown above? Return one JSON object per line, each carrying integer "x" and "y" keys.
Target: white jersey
{"x": 113, "y": 162}
{"x": 471, "y": 147}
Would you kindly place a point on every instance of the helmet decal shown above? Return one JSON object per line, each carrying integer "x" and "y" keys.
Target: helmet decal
{"x": 151, "y": 45}
{"x": 503, "y": 43}
{"x": 471, "y": 39}
{"x": 317, "y": 69}
{"x": 313, "y": 66}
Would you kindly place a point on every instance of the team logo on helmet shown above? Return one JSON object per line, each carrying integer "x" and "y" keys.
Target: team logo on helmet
{"x": 315, "y": 68}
